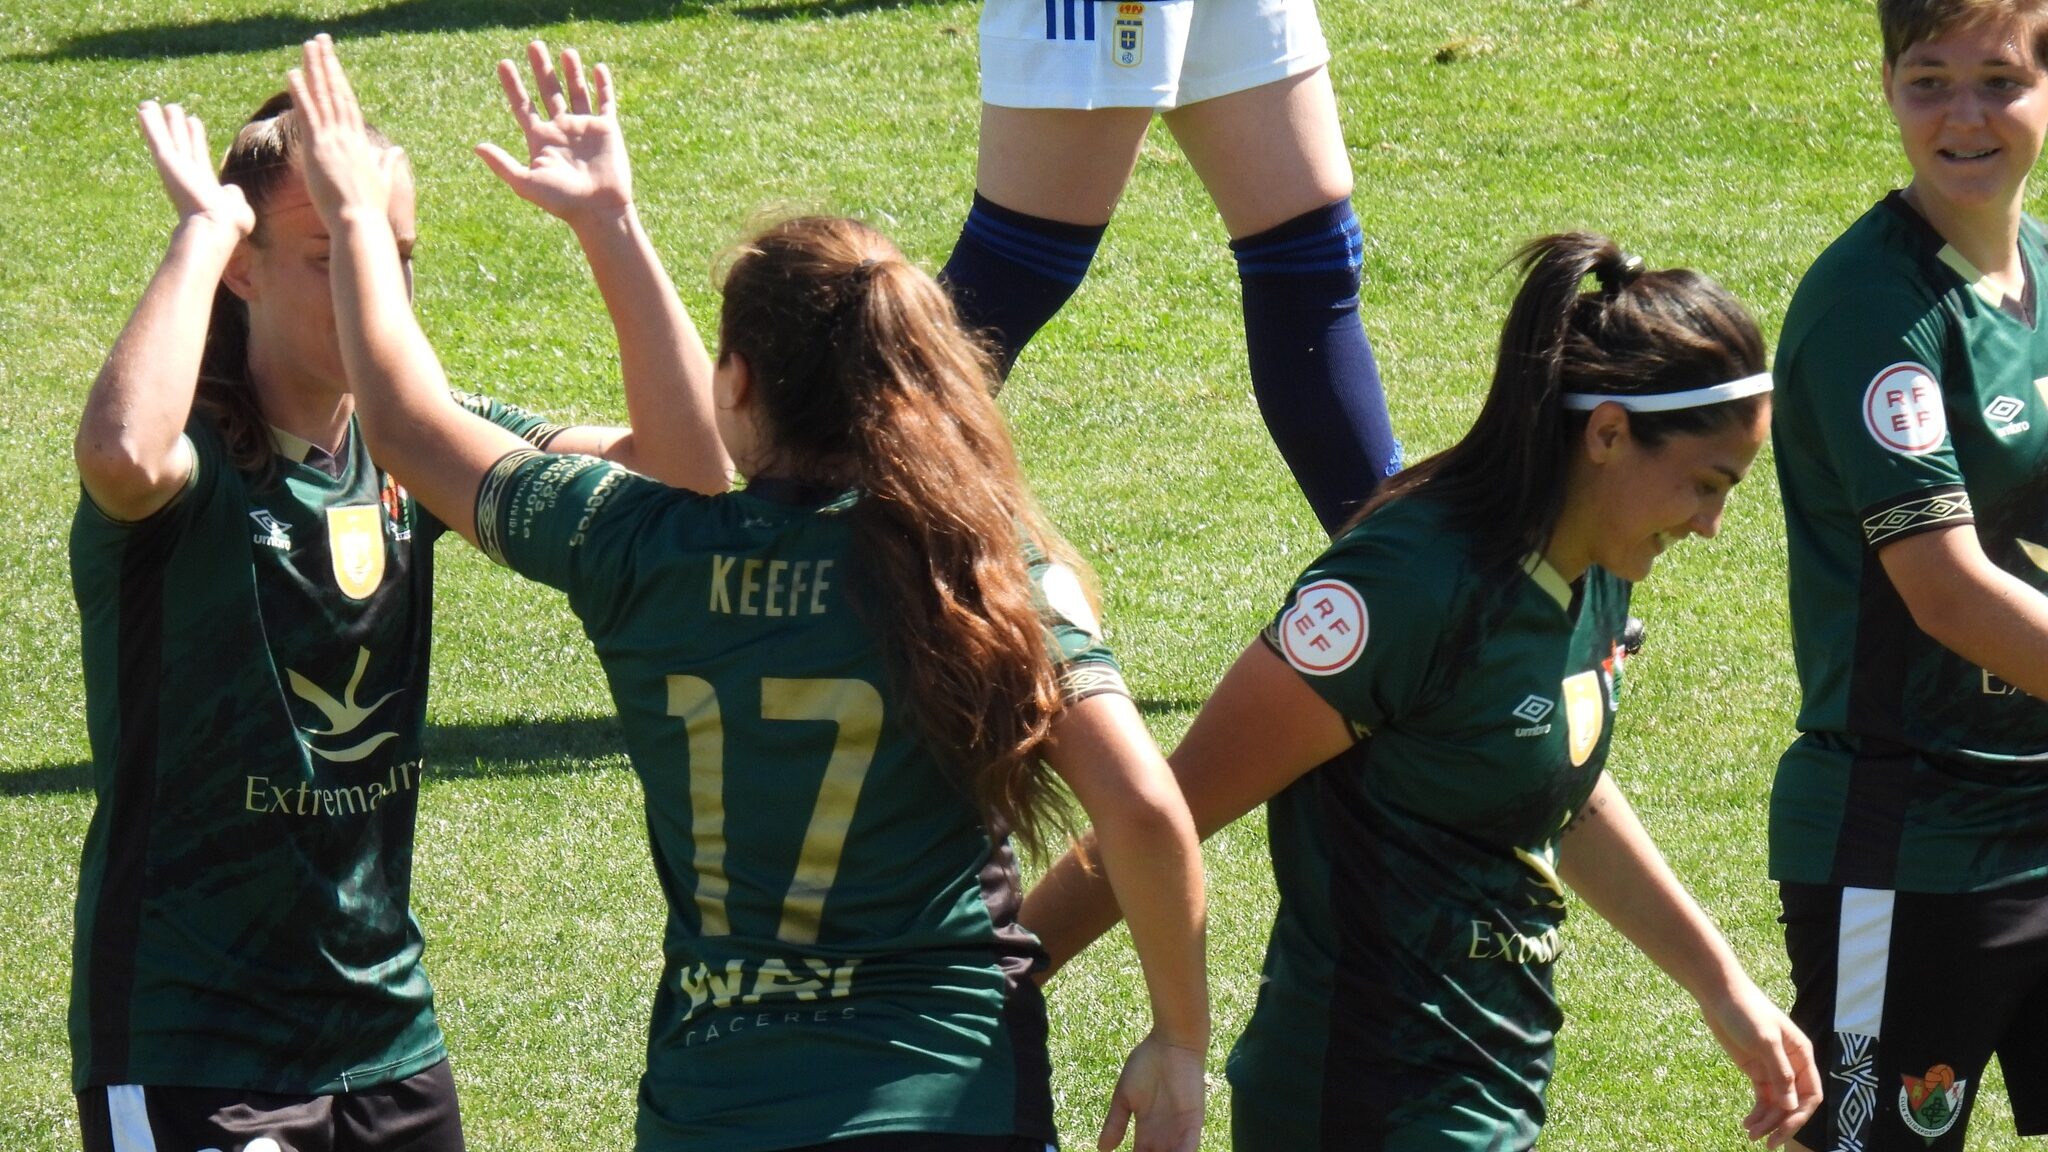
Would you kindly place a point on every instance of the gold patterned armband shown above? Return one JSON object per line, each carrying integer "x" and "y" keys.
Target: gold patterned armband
{"x": 490, "y": 498}
{"x": 1934, "y": 508}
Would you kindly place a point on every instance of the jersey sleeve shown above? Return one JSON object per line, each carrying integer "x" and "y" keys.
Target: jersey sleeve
{"x": 1086, "y": 665}
{"x": 529, "y": 427}
{"x": 1361, "y": 627}
{"x": 570, "y": 522}
{"x": 1871, "y": 379}
{"x": 208, "y": 459}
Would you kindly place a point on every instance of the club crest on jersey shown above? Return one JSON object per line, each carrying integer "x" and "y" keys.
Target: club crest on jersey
{"x": 1324, "y": 632}
{"x": 1127, "y": 36}
{"x": 393, "y": 499}
{"x": 1584, "y": 714}
{"x": 1902, "y": 410}
{"x": 1931, "y": 1104}
{"x": 270, "y": 531}
{"x": 355, "y": 542}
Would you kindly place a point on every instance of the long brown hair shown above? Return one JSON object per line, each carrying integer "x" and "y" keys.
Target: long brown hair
{"x": 1636, "y": 333}
{"x": 262, "y": 161}
{"x": 864, "y": 377}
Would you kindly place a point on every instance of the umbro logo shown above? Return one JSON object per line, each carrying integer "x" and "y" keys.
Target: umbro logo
{"x": 2003, "y": 413}
{"x": 271, "y": 531}
{"x": 1533, "y": 709}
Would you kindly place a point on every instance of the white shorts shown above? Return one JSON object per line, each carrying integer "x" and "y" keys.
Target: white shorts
{"x": 1161, "y": 54}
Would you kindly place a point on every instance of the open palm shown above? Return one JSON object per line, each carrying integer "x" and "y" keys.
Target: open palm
{"x": 576, "y": 164}
{"x": 177, "y": 142}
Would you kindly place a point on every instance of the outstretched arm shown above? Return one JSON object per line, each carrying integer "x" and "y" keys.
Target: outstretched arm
{"x": 577, "y": 170}
{"x": 130, "y": 448}
{"x": 1608, "y": 859}
{"x": 1153, "y": 864}
{"x": 413, "y": 426}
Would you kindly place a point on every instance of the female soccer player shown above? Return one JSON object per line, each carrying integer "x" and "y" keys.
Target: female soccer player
{"x": 1909, "y": 820}
{"x": 837, "y": 686}
{"x": 255, "y": 594}
{"x": 1427, "y": 720}
{"x": 1068, "y": 90}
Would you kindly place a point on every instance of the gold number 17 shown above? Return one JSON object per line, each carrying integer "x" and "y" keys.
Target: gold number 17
{"x": 855, "y": 708}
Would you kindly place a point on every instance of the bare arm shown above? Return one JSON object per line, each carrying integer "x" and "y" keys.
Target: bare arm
{"x": 1260, "y": 730}
{"x": 578, "y": 171}
{"x": 130, "y": 452}
{"x": 1152, "y": 862}
{"x": 1971, "y": 606}
{"x": 1608, "y": 859}
{"x": 412, "y": 425}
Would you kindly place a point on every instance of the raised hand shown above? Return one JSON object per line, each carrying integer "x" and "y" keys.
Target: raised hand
{"x": 1163, "y": 1086}
{"x": 177, "y": 142}
{"x": 576, "y": 164}
{"x": 345, "y": 171}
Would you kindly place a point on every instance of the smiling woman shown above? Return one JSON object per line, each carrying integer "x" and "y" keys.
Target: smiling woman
{"x": 1428, "y": 717}
{"x": 1908, "y": 820}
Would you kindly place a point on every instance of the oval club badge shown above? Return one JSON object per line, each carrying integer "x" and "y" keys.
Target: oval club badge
{"x": 1584, "y": 713}
{"x": 355, "y": 542}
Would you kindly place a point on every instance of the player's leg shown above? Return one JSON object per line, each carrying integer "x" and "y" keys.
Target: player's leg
{"x": 1046, "y": 183}
{"x": 418, "y": 1114}
{"x": 1067, "y": 93}
{"x": 1272, "y": 156}
{"x": 135, "y": 1118}
{"x": 2023, "y": 1050}
{"x": 1903, "y": 995}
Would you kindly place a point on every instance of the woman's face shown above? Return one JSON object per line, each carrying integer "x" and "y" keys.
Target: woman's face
{"x": 283, "y": 276}
{"x": 1630, "y": 501}
{"x": 1972, "y": 108}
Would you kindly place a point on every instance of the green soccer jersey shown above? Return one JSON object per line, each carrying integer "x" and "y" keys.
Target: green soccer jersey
{"x": 1407, "y": 993}
{"x": 841, "y": 956}
{"x": 1911, "y": 395}
{"x": 255, "y": 675}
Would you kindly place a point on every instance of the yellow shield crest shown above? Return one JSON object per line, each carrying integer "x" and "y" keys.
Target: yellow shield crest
{"x": 355, "y": 541}
{"x": 1585, "y": 715}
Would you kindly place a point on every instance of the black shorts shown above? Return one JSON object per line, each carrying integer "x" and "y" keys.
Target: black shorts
{"x": 1906, "y": 996}
{"x": 416, "y": 1114}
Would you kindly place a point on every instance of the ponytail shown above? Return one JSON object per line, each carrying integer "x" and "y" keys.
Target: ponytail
{"x": 1635, "y": 333}
{"x": 864, "y": 377}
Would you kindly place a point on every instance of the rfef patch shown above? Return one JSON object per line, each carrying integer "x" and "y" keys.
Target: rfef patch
{"x": 1325, "y": 631}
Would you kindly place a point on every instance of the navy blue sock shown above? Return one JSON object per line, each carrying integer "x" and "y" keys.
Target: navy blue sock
{"x": 1312, "y": 368}
{"x": 1011, "y": 272}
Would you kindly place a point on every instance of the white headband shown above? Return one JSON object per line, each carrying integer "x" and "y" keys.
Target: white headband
{"x": 1670, "y": 401}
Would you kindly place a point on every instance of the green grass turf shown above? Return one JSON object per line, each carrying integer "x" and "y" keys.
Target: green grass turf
{"x": 1736, "y": 136}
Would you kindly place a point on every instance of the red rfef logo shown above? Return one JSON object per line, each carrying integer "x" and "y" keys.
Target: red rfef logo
{"x": 1325, "y": 630}
{"x": 1902, "y": 409}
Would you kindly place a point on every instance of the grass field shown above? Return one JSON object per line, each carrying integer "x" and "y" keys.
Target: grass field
{"x": 1736, "y": 136}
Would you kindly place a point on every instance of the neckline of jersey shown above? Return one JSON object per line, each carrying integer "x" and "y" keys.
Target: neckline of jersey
{"x": 1549, "y": 579}
{"x": 299, "y": 451}
{"x": 1948, "y": 256}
